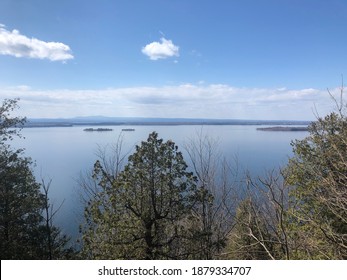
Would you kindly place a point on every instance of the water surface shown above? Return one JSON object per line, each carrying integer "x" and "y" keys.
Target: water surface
{"x": 62, "y": 153}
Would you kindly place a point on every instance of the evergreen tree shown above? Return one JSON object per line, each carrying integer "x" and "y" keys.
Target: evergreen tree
{"x": 145, "y": 212}
{"x": 21, "y": 208}
{"x": 318, "y": 171}
{"x": 23, "y": 231}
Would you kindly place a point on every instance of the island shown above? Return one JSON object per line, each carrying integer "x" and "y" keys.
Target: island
{"x": 284, "y": 128}
{"x": 97, "y": 129}
{"x": 128, "y": 129}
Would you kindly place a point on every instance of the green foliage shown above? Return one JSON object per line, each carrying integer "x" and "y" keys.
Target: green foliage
{"x": 303, "y": 215}
{"x": 144, "y": 212}
{"x": 23, "y": 232}
{"x": 318, "y": 170}
{"x": 154, "y": 208}
{"x": 9, "y": 126}
{"x": 21, "y": 207}
{"x": 242, "y": 244}
{"x": 261, "y": 222}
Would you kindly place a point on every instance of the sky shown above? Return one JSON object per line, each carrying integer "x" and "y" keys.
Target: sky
{"x": 221, "y": 59}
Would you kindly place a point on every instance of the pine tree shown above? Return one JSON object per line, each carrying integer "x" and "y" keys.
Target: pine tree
{"x": 143, "y": 213}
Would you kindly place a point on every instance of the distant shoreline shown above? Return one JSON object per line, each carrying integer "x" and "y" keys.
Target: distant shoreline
{"x": 36, "y": 123}
{"x": 283, "y": 128}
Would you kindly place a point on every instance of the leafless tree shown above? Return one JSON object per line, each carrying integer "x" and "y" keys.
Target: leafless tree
{"x": 111, "y": 158}
{"x": 57, "y": 243}
{"x": 218, "y": 193}
{"x": 261, "y": 230}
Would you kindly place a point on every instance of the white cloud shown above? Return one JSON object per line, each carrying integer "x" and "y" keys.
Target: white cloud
{"x": 160, "y": 50}
{"x": 15, "y": 44}
{"x": 186, "y": 100}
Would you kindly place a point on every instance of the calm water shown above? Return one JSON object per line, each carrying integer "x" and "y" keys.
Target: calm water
{"x": 62, "y": 153}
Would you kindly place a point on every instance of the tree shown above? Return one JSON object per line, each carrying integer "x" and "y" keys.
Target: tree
{"x": 20, "y": 197}
{"x": 261, "y": 228}
{"x": 9, "y": 126}
{"x": 216, "y": 193}
{"x": 248, "y": 239}
{"x": 56, "y": 244}
{"x": 23, "y": 231}
{"x": 318, "y": 171}
{"x": 111, "y": 158}
{"x": 21, "y": 206}
{"x": 144, "y": 212}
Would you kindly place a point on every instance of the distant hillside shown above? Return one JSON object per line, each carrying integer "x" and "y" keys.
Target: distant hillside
{"x": 100, "y": 120}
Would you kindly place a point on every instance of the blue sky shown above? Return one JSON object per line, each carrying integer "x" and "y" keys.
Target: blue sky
{"x": 249, "y": 59}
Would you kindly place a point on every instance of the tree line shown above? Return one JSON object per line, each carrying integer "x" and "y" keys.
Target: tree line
{"x": 154, "y": 204}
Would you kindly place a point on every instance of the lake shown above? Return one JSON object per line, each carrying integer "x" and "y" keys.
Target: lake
{"x": 63, "y": 153}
